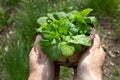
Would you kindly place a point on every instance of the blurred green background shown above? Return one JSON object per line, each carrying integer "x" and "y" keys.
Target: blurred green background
{"x": 18, "y": 30}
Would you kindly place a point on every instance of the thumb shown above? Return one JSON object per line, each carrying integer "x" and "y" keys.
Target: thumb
{"x": 96, "y": 41}
{"x": 37, "y": 40}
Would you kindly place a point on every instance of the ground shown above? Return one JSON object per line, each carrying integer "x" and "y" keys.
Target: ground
{"x": 112, "y": 48}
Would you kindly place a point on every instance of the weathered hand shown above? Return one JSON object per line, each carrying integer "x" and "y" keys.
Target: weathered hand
{"x": 91, "y": 62}
{"x": 41, "y": 68}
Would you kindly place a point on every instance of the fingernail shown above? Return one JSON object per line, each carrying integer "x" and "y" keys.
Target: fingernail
{"x": 38, "y": 37}
{"x": 96, "y": 41}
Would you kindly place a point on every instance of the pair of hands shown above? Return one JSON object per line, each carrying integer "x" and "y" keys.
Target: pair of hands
{"x": 89, "y": 65}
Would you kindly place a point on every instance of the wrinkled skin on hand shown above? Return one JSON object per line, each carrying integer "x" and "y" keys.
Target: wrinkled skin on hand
{"x": 91, "y": 62}
{"x": 41, "y": 68}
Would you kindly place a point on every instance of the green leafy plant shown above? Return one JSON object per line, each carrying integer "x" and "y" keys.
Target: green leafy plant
{"x": 64, "y": 33}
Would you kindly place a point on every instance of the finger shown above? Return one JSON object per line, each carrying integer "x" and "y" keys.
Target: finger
{"x": 36, "y": 43}
{"x": 96, "y": 41}
{"x": 36, "y": 46}
{"x": 92, "y": 35}
{"x": 38, "y": 38}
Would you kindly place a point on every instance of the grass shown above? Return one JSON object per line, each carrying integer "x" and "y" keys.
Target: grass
{"x": 27, "y": 24}
{"x": 7, "y": 13}
{"x": 66, "y": 5}
{"x": 105, "y": 8}
{"x": 66, "y": 73}
{"x": 1, "y": 61}
{"x": 13, "y": 3}
{"x": 16, "y": 60}
{"x": 116, "y": 27}
{"x": 117, "y": 74}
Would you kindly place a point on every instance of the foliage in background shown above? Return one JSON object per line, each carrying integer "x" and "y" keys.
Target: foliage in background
{"x": 27, "y": 17}
{"x": 7, "y": 9}
{"x": 66, "y": 73}
{"x": 105, "y": 8}
{"x": 16, "y": 60}
{"x": 1, "y": 61}
{"x": 65, "y": 5}
{"x": 6, "y": 22}
{"x": 117, "y": 74}
{"x": 116, "y": 27}
{"x": 116, "y": 22}
{"x": 13, "y": 3}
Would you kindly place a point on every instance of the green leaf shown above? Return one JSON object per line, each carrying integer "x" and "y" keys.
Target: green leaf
{"x": 84, "y": 28}
{"x": 91, "y": 19}
{"x": 73, "y": 29}
{"x": 78, "y": 48}
{"x": 52, "y": 50}
{"x": 45, "y": 34}
{"x": 50, "y": 16}
{"x": 67, "y": 50}
{"x": 42, "y": 20}
{"x": 79, "y": 18}
{"x": 66, "y": 38}
{"x": 85, "y": 12}
{"x": 53, "y": 34}
{"x": 79, "y": 39}
{"x": 71, "y": 15}
{"x": 39, "y": 29}
{"x": 59, "y": 15}
{"x": 64, "y": 26}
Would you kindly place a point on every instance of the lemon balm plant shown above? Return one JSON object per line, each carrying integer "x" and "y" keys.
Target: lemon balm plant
{"x": 65, "y": 33}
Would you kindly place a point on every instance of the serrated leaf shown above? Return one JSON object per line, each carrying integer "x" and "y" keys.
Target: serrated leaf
{"x": 67, "y": 50}
{"x": 42, "y": 20}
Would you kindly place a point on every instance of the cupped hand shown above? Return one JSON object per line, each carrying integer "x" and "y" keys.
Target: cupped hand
{"x": 41, "y": 68}
{"x": 91, "y": 62}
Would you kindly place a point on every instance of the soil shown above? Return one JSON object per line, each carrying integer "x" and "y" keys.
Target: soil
{"x": 111, "y": 45}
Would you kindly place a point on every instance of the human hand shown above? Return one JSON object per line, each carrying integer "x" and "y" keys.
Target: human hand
{"x": 91, "y": 62}
{"x": 41, "y": 68}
